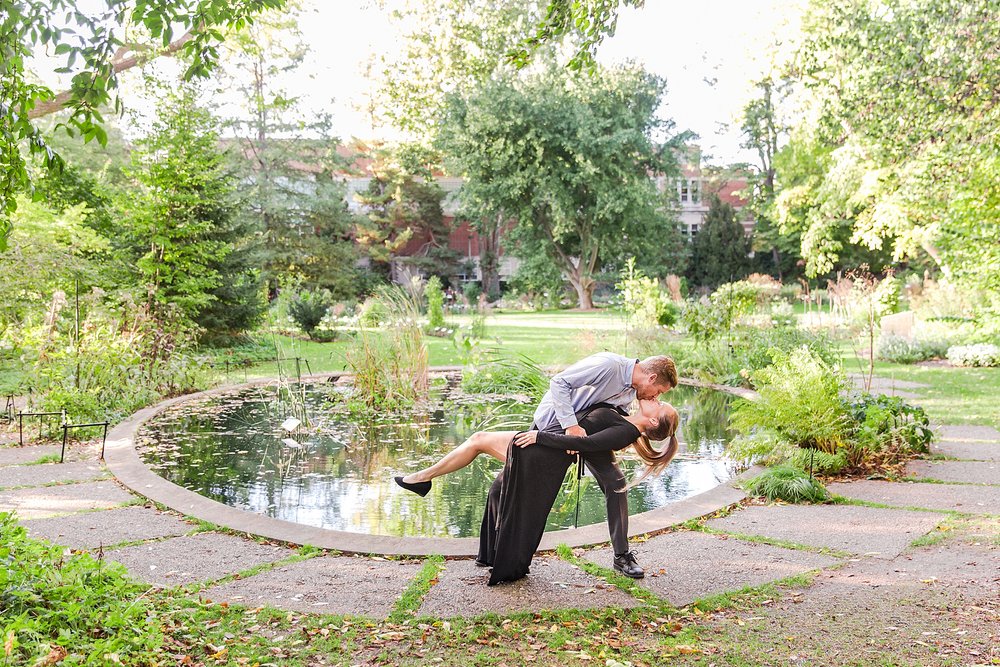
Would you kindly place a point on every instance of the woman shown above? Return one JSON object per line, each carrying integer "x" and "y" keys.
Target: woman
{"x": 495, "y": 443}
{"x": 523, "y": 493}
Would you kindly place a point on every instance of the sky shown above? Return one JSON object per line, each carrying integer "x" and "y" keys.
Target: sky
{"x": 709, "y": 52}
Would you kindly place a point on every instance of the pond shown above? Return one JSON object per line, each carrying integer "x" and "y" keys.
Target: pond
{"x": 333, "y": 472}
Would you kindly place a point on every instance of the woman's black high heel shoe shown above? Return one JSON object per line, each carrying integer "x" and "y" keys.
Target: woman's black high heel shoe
{"x": 419, "y": 488}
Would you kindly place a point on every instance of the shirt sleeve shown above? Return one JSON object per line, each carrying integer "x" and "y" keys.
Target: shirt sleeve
{"x": 616, "y": 436}
{"x": 590, "y": 372}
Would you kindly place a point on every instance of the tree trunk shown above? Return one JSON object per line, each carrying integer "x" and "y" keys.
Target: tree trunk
{"x": 489, "y": 256}
{"x": 584, "y": 287}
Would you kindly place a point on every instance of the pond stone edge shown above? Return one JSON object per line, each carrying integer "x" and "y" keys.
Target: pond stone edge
{"x": 123, "y": 461}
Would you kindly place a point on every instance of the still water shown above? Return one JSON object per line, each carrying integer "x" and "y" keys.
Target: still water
{"x": 333, "y": 472}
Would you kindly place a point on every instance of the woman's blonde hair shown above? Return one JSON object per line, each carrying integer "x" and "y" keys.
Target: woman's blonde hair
{"x": 657, "y": 459}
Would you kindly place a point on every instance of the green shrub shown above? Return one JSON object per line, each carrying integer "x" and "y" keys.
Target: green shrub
{"x": 705, "y": 320}
{"x": 787, "y": 483}
{"x": 308, "y": 309}
{"x": 324, "y": 335}
{"x": 53, "y": 598}
{"x": 899, "y": 350}
{"x": 501, "y": 374}
{"x": 799, "y": 400}
{"x": 123, "y": 359}
{"x": 820, "y": 463}
{"x": 667, "y": 312}
{"x": 738, "y": 299}
{"x": 373, "y": 313}
{"x": 435, "y": 302}
{"x": 982, "y": 354}
{"x": 390, "y": 365}
{"x": 886, "y": 430}
{"x": 472, "y": 290}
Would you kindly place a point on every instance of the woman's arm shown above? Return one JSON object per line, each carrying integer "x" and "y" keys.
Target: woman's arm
{"x": 618, "y": 435}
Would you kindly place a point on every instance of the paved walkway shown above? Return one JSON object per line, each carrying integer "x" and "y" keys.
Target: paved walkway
{"x": 79, "y": 505}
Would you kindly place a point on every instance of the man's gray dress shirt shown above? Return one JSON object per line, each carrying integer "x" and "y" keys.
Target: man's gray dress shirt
{"x": 604, "y": 377}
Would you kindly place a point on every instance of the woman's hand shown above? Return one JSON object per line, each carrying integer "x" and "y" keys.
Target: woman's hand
{"x": 526, "y": 438}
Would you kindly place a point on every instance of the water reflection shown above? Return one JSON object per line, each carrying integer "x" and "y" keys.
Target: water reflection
{"x": 334, "y": 473}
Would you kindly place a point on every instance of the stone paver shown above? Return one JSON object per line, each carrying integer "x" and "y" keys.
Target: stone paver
{"x": 20, "y": 455}
{"x": 685, "y": 566}
{"x": 203, "y": 557}
{"x": 930, "y": 606}
{"x": 971, "y": 472}
{"x": 969, "y": 432}
{"x": 36, "y": 503}
{"x": 324, "y": 585}
{"x": 91, "y": 530}
{"x": 552, "y": 584}
{"x": 887, "y": 386}
{"x": 954, "y": 497}
{"x": 48, "y": 473}
{"x": 972, "y": 451}
{"x": 862, "y": 530}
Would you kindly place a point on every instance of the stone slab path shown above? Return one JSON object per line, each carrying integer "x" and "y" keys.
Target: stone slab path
{"x": 552, "y": 584}
{"x": 873, "y": 543}
{"x": 50, "y": 473}
{"x": 92, "y": 530}
{"x": 868, "y": 531}
{"x": 967, "y": 472}
{"x": 195, "y": 558}
{"x": 685, "y": 566}
{"x": 964, "y": 498}
{"x": 325, "y": 585}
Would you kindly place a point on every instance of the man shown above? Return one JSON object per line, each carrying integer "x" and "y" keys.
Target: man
{"x": 609, "y": 378}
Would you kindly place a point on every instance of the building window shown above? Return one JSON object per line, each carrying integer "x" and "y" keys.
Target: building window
{"x": 695, "y": 189}
{"x": 685, "y": 192}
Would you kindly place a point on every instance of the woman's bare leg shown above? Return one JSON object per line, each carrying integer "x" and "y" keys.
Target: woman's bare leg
{"x": 493, "y": 443}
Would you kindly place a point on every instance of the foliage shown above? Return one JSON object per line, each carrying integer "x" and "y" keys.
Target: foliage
{"x": 886, "y": 429}
{"x": 905, "y": 88}
{"x": 98, "y": 41}
{"x": 68, "y": 606}
{"x": 981, "y": 354}
{"x": 787, "y": 483}
{"x": 496, "y": 372}
{"x": 643, "y": 301}
{"x": 308, "y": 309}
{"x": 721, "y": 250}
{"x": 390, "y": 364}
{"x": 123, "y": 358}
{"x": 404, "y": 203}
{"x": 49, "y": 251}
{"x": 799, "y": 401}
{"x": 288, "y": 163}
{"x": 705, "y": 320}
{"x": 819, "y": 463}
{"x": 568, "y": 160}
{"x": 373, "y": 312}
{"x": 182, "y": 222}
{"x": 905, "y": 351}
{"x": 435, "y": 302}
{"x": 586, "y": 23}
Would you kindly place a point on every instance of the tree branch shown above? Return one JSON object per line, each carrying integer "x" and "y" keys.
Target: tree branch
{"x": 120, "y": 63}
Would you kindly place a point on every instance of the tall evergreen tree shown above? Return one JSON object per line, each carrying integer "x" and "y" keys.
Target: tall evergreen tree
{"x": 721, "y": 250}
{"x": 191, "y": 248}
{"x": 289, "y": 161}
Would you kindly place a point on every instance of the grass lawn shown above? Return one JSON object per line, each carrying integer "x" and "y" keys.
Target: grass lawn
{"x": 952, "y": 395}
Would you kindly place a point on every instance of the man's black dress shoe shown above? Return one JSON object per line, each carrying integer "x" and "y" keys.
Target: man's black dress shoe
{"x": 627, "y": 565}
{"x": 419, "y": 488}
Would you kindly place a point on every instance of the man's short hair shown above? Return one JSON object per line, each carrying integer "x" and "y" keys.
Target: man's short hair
{"x": 663, "y": 367}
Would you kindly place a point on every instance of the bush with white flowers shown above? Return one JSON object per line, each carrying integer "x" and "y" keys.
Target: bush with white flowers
{"x": 983, "y": 354}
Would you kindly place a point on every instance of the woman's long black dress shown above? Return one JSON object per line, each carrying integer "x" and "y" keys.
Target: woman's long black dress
{"x": 524, "y": 491}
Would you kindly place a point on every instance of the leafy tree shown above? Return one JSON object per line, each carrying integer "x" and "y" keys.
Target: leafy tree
{"x": 191, "y": 247}
{"x": 910, "y": 88}
{"x": 95, "y": 50}
{"x": 289, "y": 164}
{"x": 721, "y": 251}
{"x": 403, "y": 203}
{"x": 568, "y": 160}
{"x": 763, "y": 132}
